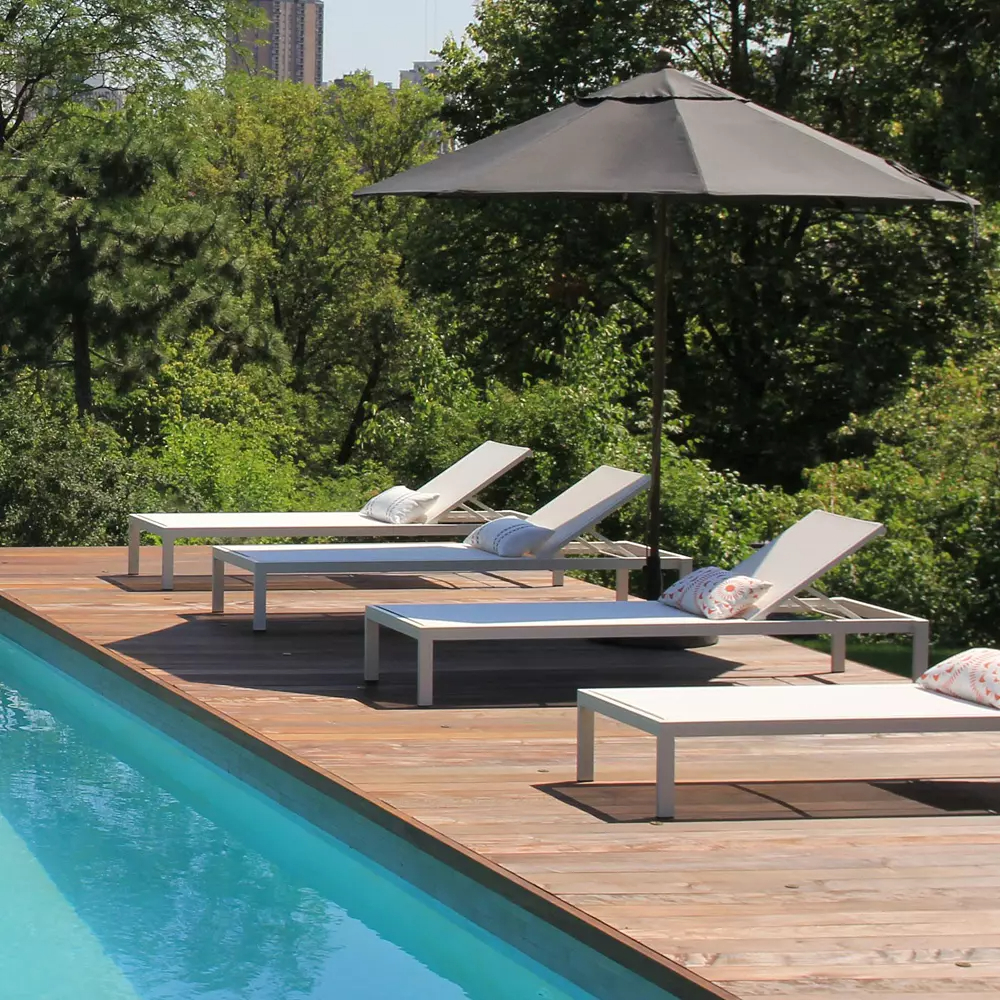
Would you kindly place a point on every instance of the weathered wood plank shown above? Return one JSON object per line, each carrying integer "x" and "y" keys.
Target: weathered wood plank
{"x": 798, "y": 867}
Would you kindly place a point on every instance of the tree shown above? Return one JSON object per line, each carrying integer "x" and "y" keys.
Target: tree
{"x": 55, "y": 52}
{"x": 323, "y": 268}
{"x": 770, "y": 305}
{"x": 933, "y": 478}
{"x": 105, "y": 249}
{"x": 273, "y": 162}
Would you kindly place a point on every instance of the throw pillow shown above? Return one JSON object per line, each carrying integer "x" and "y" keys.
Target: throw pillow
{"x": 714, "y": 593}
{"x": 400, "y": 505}
{"x": 508, "y": 536}
{"x": 973, "y": 676}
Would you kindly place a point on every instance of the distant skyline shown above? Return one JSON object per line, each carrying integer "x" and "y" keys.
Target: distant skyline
{"x": 385, "y": 36}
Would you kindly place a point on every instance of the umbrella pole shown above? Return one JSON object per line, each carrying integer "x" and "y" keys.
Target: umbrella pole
{"x": 654, "y": 578}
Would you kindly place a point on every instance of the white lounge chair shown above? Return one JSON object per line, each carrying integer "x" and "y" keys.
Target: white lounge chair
{"x": 569, "y": 515}
{"x": 790, "y": 563}
{"x": 668, "y": 713}
{"x": 449, "y": 517}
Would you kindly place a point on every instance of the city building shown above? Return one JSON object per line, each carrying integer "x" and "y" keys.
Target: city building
{"x": 98, "y": 90}
{"x": 421, "y": 70}
{"x": 290, "y": 46}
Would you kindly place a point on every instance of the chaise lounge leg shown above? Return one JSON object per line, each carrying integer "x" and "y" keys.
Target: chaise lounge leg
{"x": 558, "y": 578}
{"x": 621, "y": 584}
{"x": 425, "y": 672}
{"x": 218, "y": 585}
{"x": 168, "y": 562}
{"x": 584, "y": 744}
{"x": 371, "y": 651}
{"x": 259, "y": 600}
{"x": 134, "y": 537}
{"x": 921, "y": 648}
{"x": 838, "y": 652}
{"x": 665, "y": 776}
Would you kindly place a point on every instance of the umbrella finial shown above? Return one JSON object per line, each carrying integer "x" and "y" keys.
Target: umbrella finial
{"x": 662, "y": 58}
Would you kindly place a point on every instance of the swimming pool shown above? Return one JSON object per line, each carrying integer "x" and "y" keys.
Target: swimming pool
{"x": 134, "y": 868}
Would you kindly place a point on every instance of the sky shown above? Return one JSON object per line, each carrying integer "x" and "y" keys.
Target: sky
{"x": 385, "y": 36}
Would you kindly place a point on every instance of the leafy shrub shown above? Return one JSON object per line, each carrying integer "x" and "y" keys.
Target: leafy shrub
{"x": 229, "y": 467}
{"x": 64, "y": 481}
{"x": 190, "y": 383}
{"x": 572, "y": 422}
{"x": 208, "y": 466}
{"x": 933, "y": 478}
{"x": 714, "y": 516}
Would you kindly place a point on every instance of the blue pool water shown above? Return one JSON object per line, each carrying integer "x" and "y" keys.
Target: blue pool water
{"x": 133, "y": 869}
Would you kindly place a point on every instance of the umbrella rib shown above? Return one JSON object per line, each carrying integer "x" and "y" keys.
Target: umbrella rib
{"x": 691, "y": 150}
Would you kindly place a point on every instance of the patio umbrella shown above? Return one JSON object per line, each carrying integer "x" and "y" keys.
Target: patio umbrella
{"x": 676, "y": 139}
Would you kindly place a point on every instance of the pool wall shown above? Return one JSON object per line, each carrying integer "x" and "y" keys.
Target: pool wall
{"x": 525, "y": 917}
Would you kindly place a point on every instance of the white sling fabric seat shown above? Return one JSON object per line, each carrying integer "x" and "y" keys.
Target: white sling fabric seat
{"x": 455, "y": 486}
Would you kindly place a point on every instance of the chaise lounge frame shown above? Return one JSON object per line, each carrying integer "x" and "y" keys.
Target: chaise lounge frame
{"x": 454, "y": 514}
{"x": 570, "y": 515}
{"x": 717, "y": 710}
{"x": 794, "y": 561}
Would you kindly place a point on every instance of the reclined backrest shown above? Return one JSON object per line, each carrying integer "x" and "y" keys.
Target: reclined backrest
{"x": 585, "y": 504}
{"x": 803, "y": 553}
{"x": 471, "y": 474}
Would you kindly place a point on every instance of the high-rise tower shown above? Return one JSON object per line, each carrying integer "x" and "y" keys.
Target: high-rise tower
{"x": 290, "y": 46}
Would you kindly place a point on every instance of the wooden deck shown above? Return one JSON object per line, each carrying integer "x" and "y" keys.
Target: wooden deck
{"x": 798, "y": 866}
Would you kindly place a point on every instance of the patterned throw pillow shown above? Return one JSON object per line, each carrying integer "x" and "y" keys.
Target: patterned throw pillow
{"x": 973, "y": 676}
{"x": 714, "y": 593}
{"x": 508, "y": 536}
{"x": 400, "y": 505}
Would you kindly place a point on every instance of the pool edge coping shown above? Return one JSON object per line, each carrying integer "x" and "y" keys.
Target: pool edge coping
{"x": 589, "y": 931}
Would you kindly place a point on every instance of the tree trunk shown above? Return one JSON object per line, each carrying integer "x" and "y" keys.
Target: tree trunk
{"x": 358, "y": 419}
{"x": 740, "y": 73}
{"x": 83, "y": 373}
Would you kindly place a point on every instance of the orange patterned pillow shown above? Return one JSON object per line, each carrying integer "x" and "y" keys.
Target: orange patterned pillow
{"x": 973, "y": 676}
{"x": 714, "y": 593}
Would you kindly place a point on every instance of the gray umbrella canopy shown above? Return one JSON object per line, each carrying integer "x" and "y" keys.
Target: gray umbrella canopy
{"x": 676, "y": 139}
{"x": 667, "y": 134}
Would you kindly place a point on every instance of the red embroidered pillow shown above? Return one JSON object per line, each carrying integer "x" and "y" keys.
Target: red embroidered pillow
{"x": 973, "y": 676}
{"x": 715, "y": 593}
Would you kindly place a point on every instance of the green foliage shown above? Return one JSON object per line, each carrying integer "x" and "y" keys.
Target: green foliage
{"x": 572, "y": 422}
{"x": 542, "y": 53}
{"x": 768, "y": 305}
{"x": 208, "y": 466}
{"x": 934, "y": 480}
{"x": 64, "y": 481}
{"x": 189, "y": 383}
{"x": 274, "y": 165}
{"x": 714, "y": 516}
{"x": 322, "y": 268}
{"x": 59, "y": 52}
{"x": 204, "y": 465}
{"x": 105, "y": 250}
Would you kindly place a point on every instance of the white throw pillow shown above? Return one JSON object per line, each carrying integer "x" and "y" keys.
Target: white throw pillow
{"x": 508, "y": 536}
{"x": 400, "y": 505}
{"x": 973, "y": 676}
{"x": 714, "y": 593}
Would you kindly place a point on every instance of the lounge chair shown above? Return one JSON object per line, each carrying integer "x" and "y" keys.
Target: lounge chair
{"x": 790, "y": 563}
{"x": 568, "y": 516}
{"x": 667, "y": 713}
{"x": 450, "y": 516}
